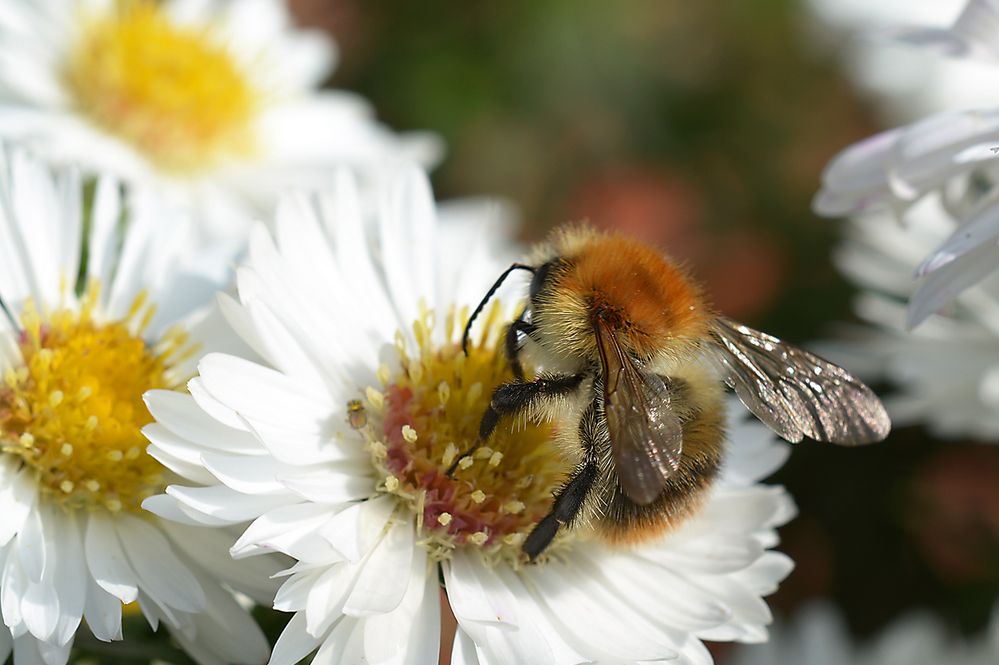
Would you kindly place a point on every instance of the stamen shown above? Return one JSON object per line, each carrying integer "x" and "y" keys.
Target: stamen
{"x": 73, "y": 412}
{"x": 427, "y": 412}
{"x": 172, "y": 91}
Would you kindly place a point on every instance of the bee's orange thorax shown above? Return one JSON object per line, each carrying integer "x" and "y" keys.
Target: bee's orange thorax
{"x": 647, "y": 299}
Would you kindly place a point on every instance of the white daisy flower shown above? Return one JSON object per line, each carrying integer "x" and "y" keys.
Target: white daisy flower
{"x": 947, "y": 370}
{"x": 337, "y": 448}
{"x": 215, "y": 102}
{"x": 74, "y": 541}
{"x": 904, "y": 83}
{"x": 974, "y": 33}
{"x": 950, "y": 158}
{"x": 947, "y": 162}
{"x": 819, "y": 637}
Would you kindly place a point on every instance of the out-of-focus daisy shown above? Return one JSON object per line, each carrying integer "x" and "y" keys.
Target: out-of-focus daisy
{"x": 216, "y": 102}
{"x": 947, "y": 370}
{"x": 904, "y": 82}
{"x": 974, "y": 33}
{"x": 74, "y": 541}
{"x": 818, "y": 637}
{"x": 338, "y": 446}
{"x": 949, "y": 160}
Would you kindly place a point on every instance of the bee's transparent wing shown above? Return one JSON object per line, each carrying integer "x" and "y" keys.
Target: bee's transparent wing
{"x": 796, "y": 393}
{"x": 646, "y": 435}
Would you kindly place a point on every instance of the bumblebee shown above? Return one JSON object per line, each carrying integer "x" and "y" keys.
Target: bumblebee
{"x": 634, "y": 364}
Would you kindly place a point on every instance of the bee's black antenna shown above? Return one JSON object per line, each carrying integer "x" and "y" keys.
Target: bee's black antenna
{"x": 486, "y": 298}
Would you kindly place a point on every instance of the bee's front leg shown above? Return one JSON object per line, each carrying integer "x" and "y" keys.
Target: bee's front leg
{"x": 513, "y": 398}
{"x": 516, "y": 397}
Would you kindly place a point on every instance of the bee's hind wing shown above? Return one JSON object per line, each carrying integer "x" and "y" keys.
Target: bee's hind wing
{"x": 796, "y": 393}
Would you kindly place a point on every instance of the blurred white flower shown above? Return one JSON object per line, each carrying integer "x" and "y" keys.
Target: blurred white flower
{"x": 974, "y": 33}
{"x": 818, "y": 637}
{"x": 337, "y": 446}
{"x": 947, "y": 162}
{"x": 217, "y": 103}
{"x": 947, "y": 370}
{"x": 904, "y": 82}
{"x": 74, "y": 542}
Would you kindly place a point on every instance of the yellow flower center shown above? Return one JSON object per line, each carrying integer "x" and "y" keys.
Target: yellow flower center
{"x": 170, "y": 90}
{"x": 423, "y": 421}
{"x": 73, "y": 409}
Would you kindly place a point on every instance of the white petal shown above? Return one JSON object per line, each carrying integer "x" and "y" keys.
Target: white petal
{"x": 407, "y": 234}
{"x": 107, "y": 561}
{"x": 250, "y": 475}
{"x": 380, "y": 587}
{"x": 170, "y": 509}
{"x": 331, "y": 488}
{"x": 294, "y": 643}
{"x": 476, "y": 594}
{"x": 54, "y": 654}
{"x": 32, "y": 548}
{"x": 225, "y": 504}
{"x": 284, "y": 528}
{"x": 213, "y": 407}
{"x": 17, "y": 494}
{"x": 209, "y": 550}
{"x": 70, "y": 578}
{"x": 275, "y": 398}
{"x": 977, "y": 230}
{"x": 161, "y": 573}
{"x": 410, "y": 634}
{"x": 946, "y": 283}
{"x": 181, "y": 414}
{"x": 103, "y": 613}
{"x": 464, "y": 651}
{"x": 105, "y": 216}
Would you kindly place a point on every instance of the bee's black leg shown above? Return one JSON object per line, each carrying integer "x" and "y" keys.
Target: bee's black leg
{"x": 512, "y": 345}
{"x": 570, "y": 499}
{"x": 510, "y": 398}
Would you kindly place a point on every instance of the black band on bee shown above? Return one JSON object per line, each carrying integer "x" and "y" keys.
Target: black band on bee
{"x": 486, "y": 298}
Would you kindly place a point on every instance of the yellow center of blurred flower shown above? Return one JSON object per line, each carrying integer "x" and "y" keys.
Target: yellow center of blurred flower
{"x": 73, "y": 410}
{"x": 170, "y": 90}
{"x": 427, "y": 416}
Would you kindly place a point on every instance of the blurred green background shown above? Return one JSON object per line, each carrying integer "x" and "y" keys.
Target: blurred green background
{"x": 703, "y": 128}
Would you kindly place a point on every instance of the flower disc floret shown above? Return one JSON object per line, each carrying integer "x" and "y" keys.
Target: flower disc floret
{"x": 73, "y": 409}
{"x": 426, "y": 425}
{"x": 171, "y": 91}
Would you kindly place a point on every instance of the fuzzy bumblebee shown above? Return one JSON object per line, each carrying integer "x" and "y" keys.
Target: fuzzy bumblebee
{"x": 636, "y": 363}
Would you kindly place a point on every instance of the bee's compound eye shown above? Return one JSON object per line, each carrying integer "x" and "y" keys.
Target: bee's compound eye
{"x": 540, "y": 278}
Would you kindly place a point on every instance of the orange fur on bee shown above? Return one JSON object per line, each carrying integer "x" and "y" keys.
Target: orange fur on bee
{"x": 639, "y": 292}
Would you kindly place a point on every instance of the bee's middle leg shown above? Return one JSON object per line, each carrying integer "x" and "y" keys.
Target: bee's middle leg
{"x": 570, "y": 499}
